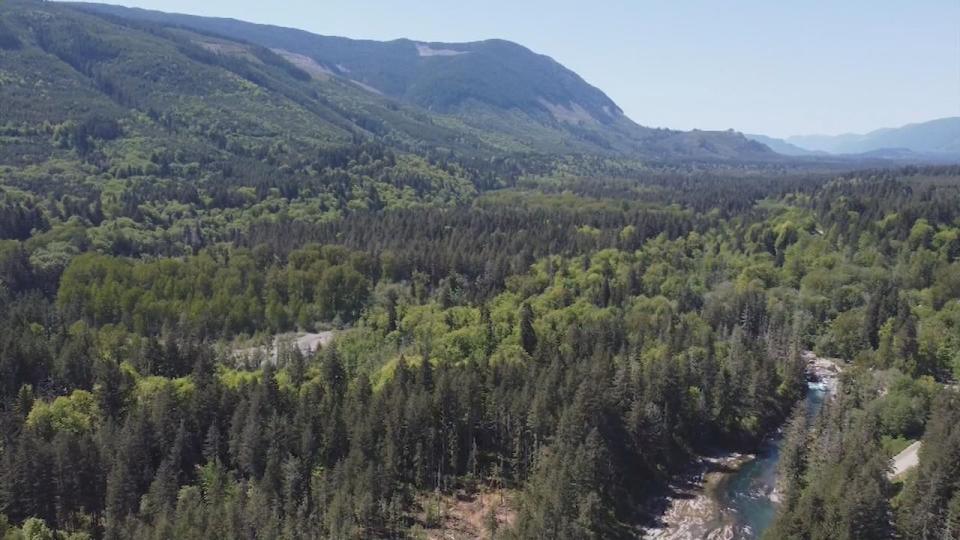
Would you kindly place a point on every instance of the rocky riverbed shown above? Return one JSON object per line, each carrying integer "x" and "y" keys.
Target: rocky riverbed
{"x": 733, "y": 496}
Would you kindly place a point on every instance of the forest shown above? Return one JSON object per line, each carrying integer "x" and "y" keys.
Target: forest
{"x": 570, "y": 342}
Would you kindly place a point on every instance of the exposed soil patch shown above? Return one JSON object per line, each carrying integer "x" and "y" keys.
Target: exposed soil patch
{"x": 426, "y": 50}
{"x": 465, "y": 515}
{"x": 311, "y": 66}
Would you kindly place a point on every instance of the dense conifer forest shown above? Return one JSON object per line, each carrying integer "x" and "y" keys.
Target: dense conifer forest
{"x": 573, "y": 343}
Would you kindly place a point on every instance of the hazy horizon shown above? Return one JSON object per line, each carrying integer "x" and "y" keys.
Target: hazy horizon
{"x": 852, "y": 68}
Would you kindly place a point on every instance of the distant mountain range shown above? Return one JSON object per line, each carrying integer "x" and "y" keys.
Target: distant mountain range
{"x": 482, "y": 97}
{"x": 934, "y": 139}
{"x": 781, "y": 146}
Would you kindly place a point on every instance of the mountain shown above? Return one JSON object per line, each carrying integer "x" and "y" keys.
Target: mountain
{"x": 936, "y": 137}
{"x": 495, "y": 91}
{"x": 444, "y": 77}
{"x": 64, "y": 66}
{"x": 781, "y": 146}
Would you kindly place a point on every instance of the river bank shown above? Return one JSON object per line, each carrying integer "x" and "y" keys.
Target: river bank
{"x": 693, "y": 510}
{"x": 732, "y": 496}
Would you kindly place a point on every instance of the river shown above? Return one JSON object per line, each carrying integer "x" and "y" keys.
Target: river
{"x": 746, "y": 497}
{"x": 736, "y": 498}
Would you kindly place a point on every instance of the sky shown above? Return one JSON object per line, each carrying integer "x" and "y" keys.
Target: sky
{"x": 774, "y": 67}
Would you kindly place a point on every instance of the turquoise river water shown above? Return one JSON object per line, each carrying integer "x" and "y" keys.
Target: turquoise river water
{"x": 746, "y": 497}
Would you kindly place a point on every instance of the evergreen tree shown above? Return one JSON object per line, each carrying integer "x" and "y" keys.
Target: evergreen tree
{"x": 528, "y": 336}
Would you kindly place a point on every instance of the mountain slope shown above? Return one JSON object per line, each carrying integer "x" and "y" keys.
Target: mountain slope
{"x": 496, "y": 90}
{"x": 941, "y": 136}
{"x": 438, "y": 76}
{"x": 68, "y": 65}
{"x": 88, "y": 104}
{"x": 781, "y": 146}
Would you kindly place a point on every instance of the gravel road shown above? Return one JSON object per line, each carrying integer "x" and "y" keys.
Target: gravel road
{"x": 906, "y": 460}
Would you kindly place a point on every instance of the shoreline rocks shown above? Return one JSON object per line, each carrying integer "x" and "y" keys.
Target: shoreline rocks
{"x": 693, "y": 511}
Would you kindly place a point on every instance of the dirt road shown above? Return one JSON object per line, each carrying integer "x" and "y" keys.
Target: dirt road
{"x": 906, "y": 460}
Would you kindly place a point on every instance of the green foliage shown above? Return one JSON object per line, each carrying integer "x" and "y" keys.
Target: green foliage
{"x": 585, "y": 360}
{"x": 894, "y": 445}
{"x": 928, "y": 507}
{"x": 218, "y": 292}
{"x": 77, "y": 413}
{"x": 841, "y": 489}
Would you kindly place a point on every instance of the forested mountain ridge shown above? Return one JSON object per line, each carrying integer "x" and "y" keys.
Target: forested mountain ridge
{"x": 496, "y": 89}
{"x": 401, "y": 68}
{"x": 783, "y": 147}
{"x": 61, "y": 62}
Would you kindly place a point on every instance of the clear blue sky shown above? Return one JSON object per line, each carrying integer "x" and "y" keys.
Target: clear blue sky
{"x": 779, "y": 67}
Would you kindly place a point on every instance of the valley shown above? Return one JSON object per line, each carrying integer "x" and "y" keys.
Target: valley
{"x": 262, "y": 283}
